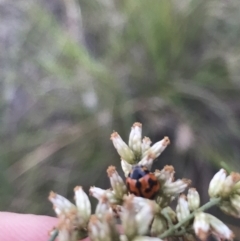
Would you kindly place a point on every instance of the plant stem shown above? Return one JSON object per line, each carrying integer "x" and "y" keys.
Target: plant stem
{"x": 165, "y": 214}
{"x": 54, "y": 235}
{"x": 172, "y": 229}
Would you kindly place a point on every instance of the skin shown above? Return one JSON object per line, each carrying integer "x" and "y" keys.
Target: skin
{"x": 26, "y": 227}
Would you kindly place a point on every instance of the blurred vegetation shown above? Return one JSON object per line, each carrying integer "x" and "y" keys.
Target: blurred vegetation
{"x": 74, "y": 71}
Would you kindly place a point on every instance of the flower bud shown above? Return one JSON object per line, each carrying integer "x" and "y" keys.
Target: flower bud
{"x": 122, "y": 148}
{"x": 219, "y": 228}
{"x": 112, "y": 198}
{"x": 103, "y": 207}
{"x": 227, "y": 208}
{"x": 67, "y": 226}
{"x": 61, "y": 204}
{"x": 135, "y": 142}
{"x": 229, "y": 184}
{"x": 176, "y": 187}
{"x": 129, "y": 223}
{"x": 166, "y": 175}
{"x": 182, "y": 208}
{"x": 126, "y": 167}
{"x": 235, "y": 202}
{"x": 236, "y": 188}
{"x": 102, "y": 229}
{"x": 144, "y": 217}
{"x": 216, "y": 183}
{"x": 158, "y": 147}
{"x": 201, "y": 225}
{"x": 63, "y": 235}
{"x": 159, "y": 225}
{"x": 83, "y": 204}
{"x": 140, "y": 202}
{"x": 117, "y": 183}
{"x": 66, "y": 234}
{"x": 146, "y": 142}
{"x": 193, "y": 199}
{"x": 96, "y": 192}
{"x": 147, "y": 161}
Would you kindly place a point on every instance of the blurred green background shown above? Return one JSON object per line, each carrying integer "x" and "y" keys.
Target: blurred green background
{"x": 73, "y": 71}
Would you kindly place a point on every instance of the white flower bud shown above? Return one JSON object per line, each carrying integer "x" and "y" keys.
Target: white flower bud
{"x": 176, "y": 187}
{"x": 157, "y": 148}
{"x": 235, "y": 202}
{"x": 140, "y": 202}
{"x": 57, "y": 210}
{"x": 112, "y": 198}
{"x": 201, "y": 225}
{"x": 64, "y": 234}
{"x": 67, "y": 227}
{"x": 97, "y": 192}
{"x": 99, "y": 230}
{"x": 83, "y": 204}
{"x": 216, "y": 183}
{"x": 144, "y": 217}
{"x": 166, "y": 175}
{"x": 193, "y": 199}
{"x": 229, "y": 183}
{"x": 159, "y": 225}
{"x": 126, "y": 167}
{"x": 135, "y": 139}
{"x": 146, "y": 142}
{"x": 61, "y": 204}
{"x": 182, "y": 208}
{"x": 122, "y": 148}
{"x": 117, "y": 183}
{"x": 147, "y": 161}
{"x": 227, "y": 208}
{"x": 219, "y": 228}
{"x": 129, "y": 223}
{"x": 102, "y": 207}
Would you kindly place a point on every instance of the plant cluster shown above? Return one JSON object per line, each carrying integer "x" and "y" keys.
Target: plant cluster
{"x": 144, "y": 219}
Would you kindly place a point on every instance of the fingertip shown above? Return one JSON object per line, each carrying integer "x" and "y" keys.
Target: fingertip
{"x": 25, "y": 227}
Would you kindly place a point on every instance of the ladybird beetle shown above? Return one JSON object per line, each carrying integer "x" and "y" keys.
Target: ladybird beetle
{"x": 142, "y": 183}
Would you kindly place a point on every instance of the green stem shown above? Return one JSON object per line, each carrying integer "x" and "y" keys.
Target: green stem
{"x": 172, "y": 229}
{"x": 165, "y": 214}
{"x": 54, "y": 235}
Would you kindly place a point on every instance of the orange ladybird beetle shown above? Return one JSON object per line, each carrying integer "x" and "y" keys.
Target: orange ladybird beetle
{"x": 142, "y": 183}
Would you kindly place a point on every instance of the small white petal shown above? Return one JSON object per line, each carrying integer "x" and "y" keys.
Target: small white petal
{"x": 216, "y": 183}
{"x": 219, "y": 228}
{"x": 176, "y": 187}
{"x": 158, "y": 147}
{"x": 83, "y": 203}
{"x": 61, "y": 204}
{"x": 97, "y": 192}
{"x": 135, "y": 138}
{"x": 201, "y": 225}
{"x": 122, "y": 148}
